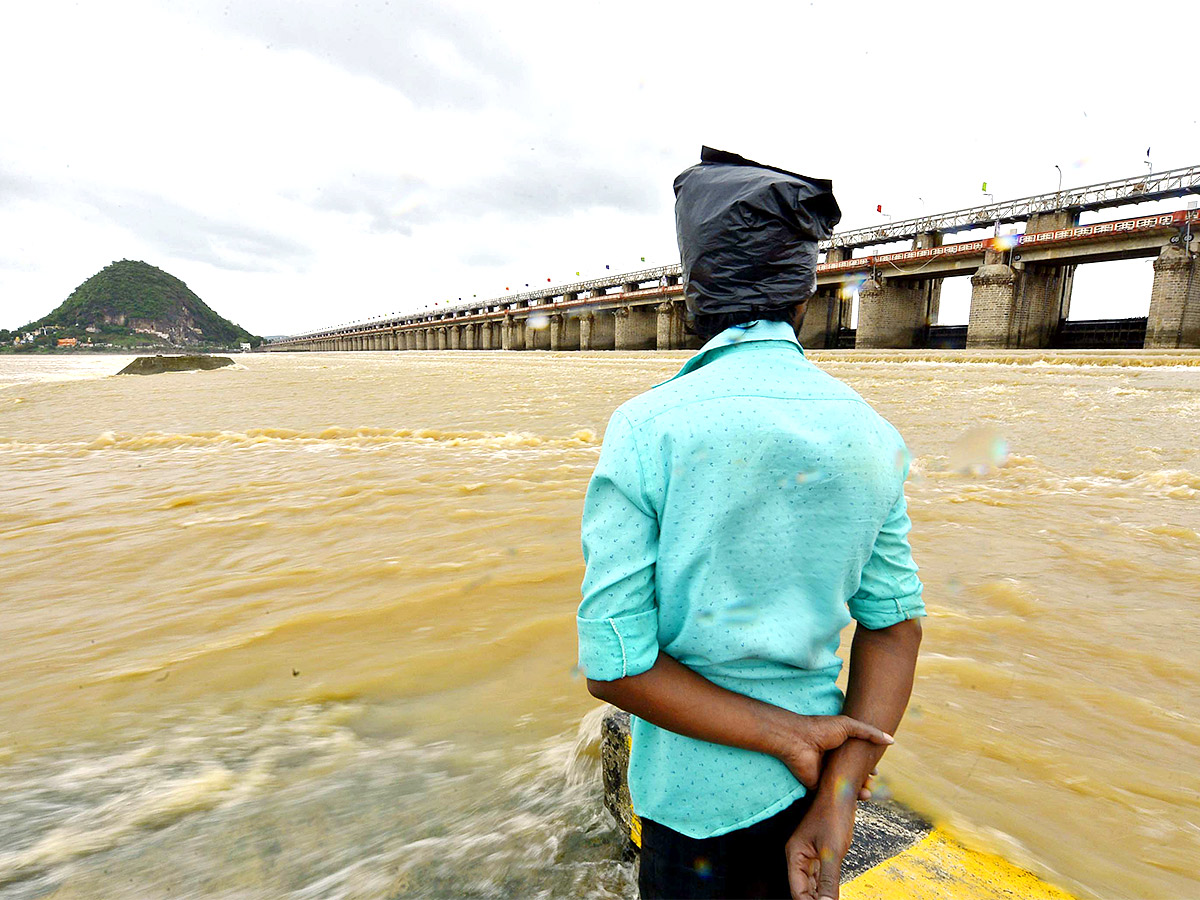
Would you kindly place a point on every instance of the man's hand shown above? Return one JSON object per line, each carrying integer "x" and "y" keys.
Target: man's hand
{"x": 817, "y": 846}
{"x": 815, "y": 736}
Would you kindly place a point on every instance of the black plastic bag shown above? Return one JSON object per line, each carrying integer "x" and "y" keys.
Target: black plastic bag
{"x": 748, "y": 233}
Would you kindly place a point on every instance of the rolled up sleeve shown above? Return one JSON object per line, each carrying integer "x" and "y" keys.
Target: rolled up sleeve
{"x": 617, "y": 619}
{"x": 889, "y": 591}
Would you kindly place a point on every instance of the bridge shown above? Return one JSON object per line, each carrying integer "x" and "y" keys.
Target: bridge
{"x": 1020, "y": 286}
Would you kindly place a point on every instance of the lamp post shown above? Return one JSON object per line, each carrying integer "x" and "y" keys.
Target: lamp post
{"x": 1058, "y": 193}
{"x": 991, "y": 201}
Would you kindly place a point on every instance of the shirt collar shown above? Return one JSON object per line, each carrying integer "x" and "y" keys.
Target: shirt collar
{"x": 760, "y": 330}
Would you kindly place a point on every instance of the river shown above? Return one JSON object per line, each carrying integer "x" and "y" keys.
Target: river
{"x": 304, "y": 627}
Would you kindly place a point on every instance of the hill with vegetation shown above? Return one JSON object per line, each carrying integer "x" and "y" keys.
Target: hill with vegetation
{"x": 134, "y": 304}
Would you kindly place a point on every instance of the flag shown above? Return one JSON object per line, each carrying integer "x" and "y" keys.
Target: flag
{"x": 984, "y": 189}
{"x": 643, "y": 259}
{"x": 1147, "y": 151}
{"x": 878, "y": 207}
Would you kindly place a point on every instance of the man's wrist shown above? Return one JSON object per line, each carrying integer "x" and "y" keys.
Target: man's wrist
{"x": 844, "y": 773}
{"x": 781, "y": 731}
{"x": 837, "y": 793}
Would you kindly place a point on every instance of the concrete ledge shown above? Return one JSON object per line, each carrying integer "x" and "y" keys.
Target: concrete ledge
{"x": 895, "y": 854}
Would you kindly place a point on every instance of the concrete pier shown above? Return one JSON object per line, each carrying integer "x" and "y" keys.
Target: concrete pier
{"x": 891, "y": 313}
{"x": 1174, "y": 319}
{"x": 896, "y": 307}
{"x": 636, "y": 328}
{"x": 993, "y": 287}
{"x": 671, "y": 330}
{"x": 829, "y": 311}
{"x": 597, "y": 331}
{"x": 537, "y": 332}
{"x": 564, "y": 331}
{"x": 1017, "y": 305}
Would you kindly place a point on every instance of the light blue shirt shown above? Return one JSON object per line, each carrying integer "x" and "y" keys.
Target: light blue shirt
{"x": 740, "y": 514}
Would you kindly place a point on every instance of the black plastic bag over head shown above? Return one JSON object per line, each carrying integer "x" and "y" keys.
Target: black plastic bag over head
{"x": 748, "y": 233}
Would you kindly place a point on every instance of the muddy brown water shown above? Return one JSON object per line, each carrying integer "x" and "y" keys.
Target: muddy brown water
{"x": 304, "y": 626}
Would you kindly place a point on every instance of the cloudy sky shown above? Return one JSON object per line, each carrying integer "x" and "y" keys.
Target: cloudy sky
{"x": 310, "y": 162}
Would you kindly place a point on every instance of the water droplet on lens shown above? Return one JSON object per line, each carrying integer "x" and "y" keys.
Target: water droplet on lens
{"x": 978, "y": 451}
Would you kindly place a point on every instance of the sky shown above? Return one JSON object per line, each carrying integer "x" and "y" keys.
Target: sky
{"x": 305, "y": 163}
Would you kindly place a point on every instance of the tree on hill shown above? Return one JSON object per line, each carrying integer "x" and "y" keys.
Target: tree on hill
{"x": 131, "y": 296}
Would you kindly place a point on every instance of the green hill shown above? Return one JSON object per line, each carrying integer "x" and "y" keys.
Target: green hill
{"x": 131, "y": 301}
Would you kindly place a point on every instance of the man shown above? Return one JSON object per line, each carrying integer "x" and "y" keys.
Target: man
{"x": 741, "y": 513}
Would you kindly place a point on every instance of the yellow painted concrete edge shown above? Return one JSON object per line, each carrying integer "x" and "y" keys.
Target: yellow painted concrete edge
{"x": 937, "y": 867}
{"x": 635, "y": 821}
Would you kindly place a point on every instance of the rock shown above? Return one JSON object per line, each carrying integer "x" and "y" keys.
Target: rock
{"x": 153, "y": 365}
{"x": 615, "y": 743}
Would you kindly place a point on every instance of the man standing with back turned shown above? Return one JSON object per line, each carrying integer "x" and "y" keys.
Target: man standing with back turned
{"x": 740, "y": 515}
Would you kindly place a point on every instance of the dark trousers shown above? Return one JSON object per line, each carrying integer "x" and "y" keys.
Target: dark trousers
{"x": 747, "y": 862}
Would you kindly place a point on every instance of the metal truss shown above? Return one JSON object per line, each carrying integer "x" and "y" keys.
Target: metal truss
{"x": 1140, "y": 189}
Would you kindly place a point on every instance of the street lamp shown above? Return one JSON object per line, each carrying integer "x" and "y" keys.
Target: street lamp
{"x": 991, "y": 201}
{"x": 1058, "y": 195}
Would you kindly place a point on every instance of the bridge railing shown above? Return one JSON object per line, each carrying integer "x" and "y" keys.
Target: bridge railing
{"x": 1139, "y": 189}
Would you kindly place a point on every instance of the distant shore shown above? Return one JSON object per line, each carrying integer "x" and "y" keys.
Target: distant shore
{"x": 116, "y": 351}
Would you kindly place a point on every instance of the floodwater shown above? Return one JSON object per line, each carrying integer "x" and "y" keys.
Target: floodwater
{"x": 304, "y": 627}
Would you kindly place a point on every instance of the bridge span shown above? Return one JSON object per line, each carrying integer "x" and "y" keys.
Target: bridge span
{"x": 1020, "y": 286}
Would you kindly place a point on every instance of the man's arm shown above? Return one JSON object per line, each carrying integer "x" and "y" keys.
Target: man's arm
{"x": 674, "y": 697}
{"x": 882, "y": 665}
